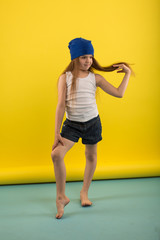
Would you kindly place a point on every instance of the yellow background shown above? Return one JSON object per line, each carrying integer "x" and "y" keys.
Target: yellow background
{"x": 34, "y": 51}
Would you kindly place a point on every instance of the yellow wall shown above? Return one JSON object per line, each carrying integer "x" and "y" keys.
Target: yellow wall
{"x": 34, "y": 51}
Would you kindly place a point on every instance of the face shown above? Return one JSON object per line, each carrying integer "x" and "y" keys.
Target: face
{"x": 85, "y": 62}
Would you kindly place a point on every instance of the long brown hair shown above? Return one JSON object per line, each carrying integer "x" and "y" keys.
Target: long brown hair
{"x": 95, "y": 65}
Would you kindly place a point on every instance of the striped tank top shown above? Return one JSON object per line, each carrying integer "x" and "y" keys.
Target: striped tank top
{"x": 83, "y": 107}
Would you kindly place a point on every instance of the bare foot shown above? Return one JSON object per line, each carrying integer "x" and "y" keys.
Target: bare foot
{"x": 84, "y": 199}
{"x": 61, "y": 203}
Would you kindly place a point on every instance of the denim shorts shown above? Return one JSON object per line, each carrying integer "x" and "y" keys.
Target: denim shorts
{"x": 89, "y": 131}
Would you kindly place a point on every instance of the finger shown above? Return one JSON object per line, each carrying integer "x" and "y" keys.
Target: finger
{"x": 54, "y": 146}
{"x": 115, "y": 65}
{"x": 118, "y": 68}
{"x": 61, "y": 141}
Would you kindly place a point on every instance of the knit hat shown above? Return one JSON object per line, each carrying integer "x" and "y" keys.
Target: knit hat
{"x": 79, "y": 47}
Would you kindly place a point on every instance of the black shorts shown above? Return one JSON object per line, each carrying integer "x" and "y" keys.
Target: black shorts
{"x": 89, "y": 131}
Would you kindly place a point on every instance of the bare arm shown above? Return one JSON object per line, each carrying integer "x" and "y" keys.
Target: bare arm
{"x": 60, "y": 110}
{"x": 122, "y": 87}
{"x": 109, "y": 88}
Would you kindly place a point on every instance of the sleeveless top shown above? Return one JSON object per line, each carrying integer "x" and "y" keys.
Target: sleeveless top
{"x": 83, "y": 107}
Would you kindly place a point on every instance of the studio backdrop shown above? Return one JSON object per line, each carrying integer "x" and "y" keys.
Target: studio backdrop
{"x": 34, "y": 52}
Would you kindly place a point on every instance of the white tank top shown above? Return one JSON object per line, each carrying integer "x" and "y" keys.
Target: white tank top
{"x": 83, "y": 107}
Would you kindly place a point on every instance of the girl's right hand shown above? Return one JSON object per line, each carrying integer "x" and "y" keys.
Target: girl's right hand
{"x": 57, "y": 139}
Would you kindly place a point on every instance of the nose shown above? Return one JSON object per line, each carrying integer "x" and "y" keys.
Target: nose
{"x": 88, "y": 60}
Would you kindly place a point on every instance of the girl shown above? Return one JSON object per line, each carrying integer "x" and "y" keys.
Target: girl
{"x": 76, "y": 95}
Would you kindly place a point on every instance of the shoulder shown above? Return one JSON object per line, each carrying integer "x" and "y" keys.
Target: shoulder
{"x": 62, "y": 77}
{"x": 62, "y": 80}
{"x": 98, "y": 79}
{"x": 65, "y": 76}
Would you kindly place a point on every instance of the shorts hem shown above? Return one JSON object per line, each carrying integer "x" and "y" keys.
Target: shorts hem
{"x": 68, "y": 137}
{"x": 91, "y": 143}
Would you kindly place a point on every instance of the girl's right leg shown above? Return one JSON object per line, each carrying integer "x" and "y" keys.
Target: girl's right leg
{"x": 60, "y": 174}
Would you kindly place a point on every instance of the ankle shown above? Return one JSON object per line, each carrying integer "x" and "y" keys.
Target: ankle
{"x": 84, "y": 191}
{"x": 60, "y": 196}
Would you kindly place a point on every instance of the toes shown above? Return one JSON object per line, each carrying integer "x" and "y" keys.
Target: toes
{"x": 86, "y": 204}
{"x": 60, "y": 207}
{"x": 58, "y": 216}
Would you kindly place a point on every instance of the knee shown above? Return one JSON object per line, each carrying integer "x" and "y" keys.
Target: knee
{"x": 56, "y": 156}
{"x": 91, "y": 156}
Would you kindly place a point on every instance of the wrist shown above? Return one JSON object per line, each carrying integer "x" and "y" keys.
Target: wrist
{"x": 128, "y": 72}
{"x": 57, "y": 133}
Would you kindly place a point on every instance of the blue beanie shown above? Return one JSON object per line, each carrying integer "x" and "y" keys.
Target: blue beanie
{"x": 79, "y": 47}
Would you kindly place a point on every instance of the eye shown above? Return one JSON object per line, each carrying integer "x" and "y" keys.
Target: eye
{"x": 84, "y": 57}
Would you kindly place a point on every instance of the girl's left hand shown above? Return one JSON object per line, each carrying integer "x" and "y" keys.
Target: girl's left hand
{"x": 124, "y": 68}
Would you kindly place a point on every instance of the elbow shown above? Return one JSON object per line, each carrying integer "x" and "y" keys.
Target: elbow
{"x": 61, "y": 106}
{"x": 120, "y": 94}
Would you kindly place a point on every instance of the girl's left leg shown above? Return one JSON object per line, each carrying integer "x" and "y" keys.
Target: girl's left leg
{"x": 91, "y": 162}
